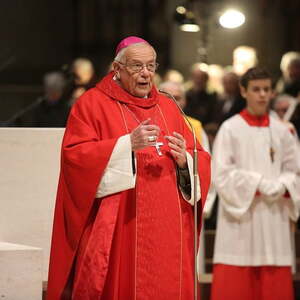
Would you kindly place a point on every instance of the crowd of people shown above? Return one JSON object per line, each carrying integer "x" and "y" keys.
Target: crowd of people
{"x": 214, "y": 101}
{"x": 60, "y": 91}
{"x": 251, "y": 130}
{"x": 211, "y": 92}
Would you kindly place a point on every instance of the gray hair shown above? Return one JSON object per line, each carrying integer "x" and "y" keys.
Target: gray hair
{"x": 121, "y": 54}
{"x": 54, "y": 81}
{"x": 169, "y": 84}
{"x": 294, "y": 62}
{"x": 287, "y": 58}
{"x": 283, "y": 98}
{"x": 82, "y": 62}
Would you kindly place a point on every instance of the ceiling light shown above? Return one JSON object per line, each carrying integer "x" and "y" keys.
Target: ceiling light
{"x": 232, "y": 19}
{"x": 181, "y": 9}
{"x": 188, "y": 24}
{"x": 190, "y": 27}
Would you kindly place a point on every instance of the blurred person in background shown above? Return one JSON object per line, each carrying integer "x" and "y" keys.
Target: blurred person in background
{"x": 284, "y": 106}
{"x": 290, "y": 84}
{"x": 200, "y": 103}
{"x": 215, "y": 73}
{"x": 52, "y": 110}
{"x": 83, "y": 72}
{"x": 157, "y": 79}
{"x": 174, "y": 76}
{"x": 177, "y": 91}
{"x": 230, "y": 102}
{"x": 244, "y": 57}
{"x": 83, "y": 77}
{"x": 284, "y": 67}
{"x": 292, "y": 87}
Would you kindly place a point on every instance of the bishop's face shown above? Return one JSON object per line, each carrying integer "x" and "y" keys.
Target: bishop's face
{"x": 138, "y": 82}
{"x": 258, "y": 95}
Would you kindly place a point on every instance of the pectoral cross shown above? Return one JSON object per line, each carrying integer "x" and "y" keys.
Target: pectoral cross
{"x": 272, "y": 152}
{"x": 157, "y": 145}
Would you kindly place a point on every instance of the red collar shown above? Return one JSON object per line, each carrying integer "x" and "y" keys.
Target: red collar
{"x": 259, "y": 121}
{"x": 108, "y": 86}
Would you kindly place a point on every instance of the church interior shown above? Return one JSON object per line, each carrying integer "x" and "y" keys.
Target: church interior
{"x": 70, "y": 45}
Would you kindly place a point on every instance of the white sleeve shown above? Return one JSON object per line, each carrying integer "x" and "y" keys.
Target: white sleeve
{"x": 210, "y": 201}
{"x": 190, "y": 198}
{"x": 290, "y": 176}
{"x": 118, "y": 175}
{"x": 204, "y": 141}
{"x": 212, "y": 194}
{"x": 236, "y": 187}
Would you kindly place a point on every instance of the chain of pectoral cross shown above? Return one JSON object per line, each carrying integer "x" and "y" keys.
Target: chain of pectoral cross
{"x": 157, "y": 144}
{"x": 272, "y": 151}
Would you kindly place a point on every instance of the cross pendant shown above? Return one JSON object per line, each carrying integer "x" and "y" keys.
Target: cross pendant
{"x": 272, "y": 152}
{"x": 157, "y": 146}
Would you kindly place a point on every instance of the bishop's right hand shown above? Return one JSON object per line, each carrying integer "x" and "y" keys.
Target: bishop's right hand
{"x": 144, "y": 135}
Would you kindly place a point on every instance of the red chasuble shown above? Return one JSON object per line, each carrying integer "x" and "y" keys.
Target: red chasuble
{"x": 135, "y": 244}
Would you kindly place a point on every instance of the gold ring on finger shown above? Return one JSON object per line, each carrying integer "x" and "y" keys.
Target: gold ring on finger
{"x": 151, "y": 138}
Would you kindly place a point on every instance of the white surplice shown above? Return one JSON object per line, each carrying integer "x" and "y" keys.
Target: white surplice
{"x": 251, "y": 231}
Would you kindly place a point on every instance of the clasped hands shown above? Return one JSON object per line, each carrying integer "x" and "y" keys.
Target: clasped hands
{"x": 271, "y": 189}
{"x": 146, "y": 134}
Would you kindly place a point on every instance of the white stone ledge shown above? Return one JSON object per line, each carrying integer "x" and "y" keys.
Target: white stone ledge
{"x": 29, "y": 161}
{"x": 20, "y": 272}
{"x": 4, "y": 246}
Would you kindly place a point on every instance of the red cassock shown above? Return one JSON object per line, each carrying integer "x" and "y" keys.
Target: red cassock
{"x": 134, "y": 244}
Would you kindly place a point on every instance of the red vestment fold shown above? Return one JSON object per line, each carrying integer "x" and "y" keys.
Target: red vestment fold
{"x": 252, "y": 283}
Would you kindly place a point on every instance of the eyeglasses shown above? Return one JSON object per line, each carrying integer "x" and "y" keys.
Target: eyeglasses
{"x": 138, "y": 67}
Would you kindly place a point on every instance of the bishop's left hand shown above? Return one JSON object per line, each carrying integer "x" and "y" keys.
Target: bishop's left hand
{"x": 178, "y": 149}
